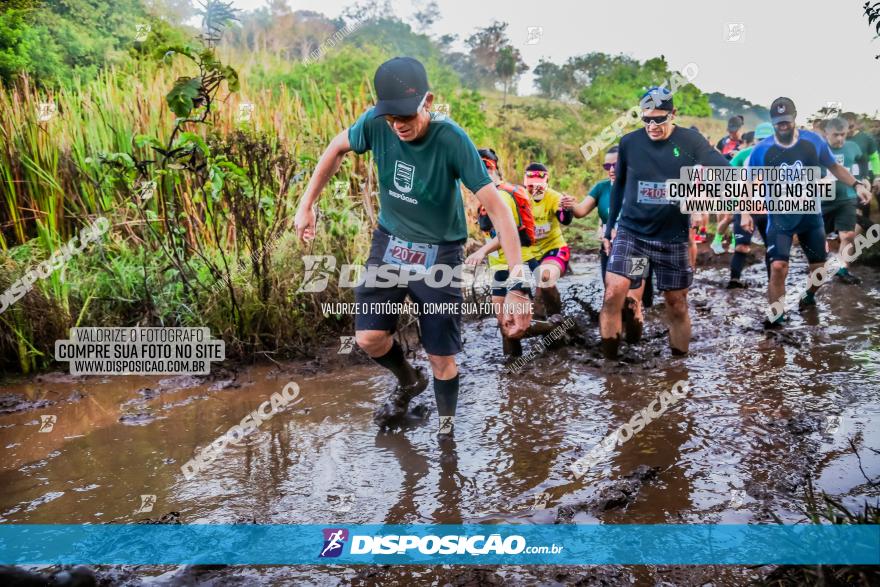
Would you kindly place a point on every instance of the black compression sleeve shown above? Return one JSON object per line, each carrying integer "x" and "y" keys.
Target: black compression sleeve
{"x": 564, "y": 216}
{"x": 446, "y": 394}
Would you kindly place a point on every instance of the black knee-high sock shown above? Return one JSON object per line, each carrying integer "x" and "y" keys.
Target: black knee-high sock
{"x": 396, "y": 362}
{"x": 737, "y": 263}
{"x": 767, "y": 265}
{"x": 446, "y": 394}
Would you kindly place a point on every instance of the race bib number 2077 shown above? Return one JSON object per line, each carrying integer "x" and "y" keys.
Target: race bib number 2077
{"x": 417, "y": 256}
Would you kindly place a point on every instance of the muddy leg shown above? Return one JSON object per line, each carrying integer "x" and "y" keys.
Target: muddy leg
{"x": 549, "y": 273}
{"x": 616, "y": 288}
{"x": 679, "y": 320}
{"x": 776, "y": 287}
{"x": 383, "y": 349}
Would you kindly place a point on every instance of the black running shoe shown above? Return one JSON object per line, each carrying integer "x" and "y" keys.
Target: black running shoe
{"x": 736, "y": 284}
{"x": 394, "y": 409}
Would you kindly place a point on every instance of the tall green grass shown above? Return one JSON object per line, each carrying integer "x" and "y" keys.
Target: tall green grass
{"x": 55, "y": 176}
{"x": 58, "y": 175}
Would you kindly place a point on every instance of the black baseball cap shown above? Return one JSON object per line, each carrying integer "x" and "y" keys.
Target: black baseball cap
{"x": 735, "y": 123}
{"x": 488, "y": 154}
{"x": 782, "y": 110}
{"x": 401, "y": 84}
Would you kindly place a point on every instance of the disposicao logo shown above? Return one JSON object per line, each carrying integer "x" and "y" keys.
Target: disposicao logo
{"x": 334, "y": 540}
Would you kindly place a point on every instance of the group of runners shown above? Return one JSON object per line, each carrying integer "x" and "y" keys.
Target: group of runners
{"x": 422, "y": 159}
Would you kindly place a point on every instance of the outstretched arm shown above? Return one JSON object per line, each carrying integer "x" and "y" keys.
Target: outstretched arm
{"x": 587, "y": 205}
{"x": 328, "y": 165}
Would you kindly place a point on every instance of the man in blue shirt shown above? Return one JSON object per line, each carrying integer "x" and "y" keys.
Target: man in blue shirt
{"x": 793, "y": 148}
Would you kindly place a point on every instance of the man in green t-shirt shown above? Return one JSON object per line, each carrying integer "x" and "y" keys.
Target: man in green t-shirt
{"x": 867, "y": 166}
{"x": 869, "y": 161}
{"x": 840, "y": 213}
{"x": 421, "y": 160}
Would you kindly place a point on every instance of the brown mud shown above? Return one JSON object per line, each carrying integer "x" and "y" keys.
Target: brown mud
{"x": 764, "y": 412}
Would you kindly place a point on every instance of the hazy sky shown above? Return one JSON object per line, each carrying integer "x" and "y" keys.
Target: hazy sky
{"x": 814, "y": 52}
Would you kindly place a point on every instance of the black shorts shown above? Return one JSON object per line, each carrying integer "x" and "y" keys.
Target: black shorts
{"x": 633, "y": 257}
{"x": 840, "y": 215}
{"x": 810, "y": 232}
{"x": 863, "y": 217}
{"x": 441, "y": 331}
{"x": 500, "y": 277}
{"x": 741, "y": 237}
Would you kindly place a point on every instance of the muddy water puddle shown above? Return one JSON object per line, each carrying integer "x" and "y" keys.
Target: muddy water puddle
{"x": 763, "y": 412}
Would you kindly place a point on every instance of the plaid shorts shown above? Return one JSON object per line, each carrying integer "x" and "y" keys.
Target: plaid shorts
{"x": 631, "y": 257}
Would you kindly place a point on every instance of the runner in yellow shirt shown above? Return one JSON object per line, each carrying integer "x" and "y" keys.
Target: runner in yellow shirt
{"x": 517, "y": 199}
{"x": 552, "y": 249}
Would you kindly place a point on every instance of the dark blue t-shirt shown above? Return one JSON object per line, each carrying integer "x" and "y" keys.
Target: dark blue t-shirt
{"x": 810, "y": 150}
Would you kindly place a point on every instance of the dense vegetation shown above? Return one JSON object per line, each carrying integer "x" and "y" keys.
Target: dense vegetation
{"x": 196, "y": 144}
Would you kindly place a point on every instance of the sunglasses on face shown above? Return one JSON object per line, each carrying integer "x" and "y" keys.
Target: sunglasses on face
{"x": 608, "y": 166}
{"x": 656, "y": 120}
{"x": 538, "y": 174}
{"x": 490, "y": 164}
{"x": 391, "y": 118}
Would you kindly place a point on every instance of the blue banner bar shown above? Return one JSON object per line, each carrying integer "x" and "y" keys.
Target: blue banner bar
{"x": 689, "y": 544}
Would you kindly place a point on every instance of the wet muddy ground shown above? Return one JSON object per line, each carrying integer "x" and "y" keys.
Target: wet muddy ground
{"x": 765, "y": 411}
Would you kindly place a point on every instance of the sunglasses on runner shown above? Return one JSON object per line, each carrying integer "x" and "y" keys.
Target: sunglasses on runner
{"x": 608, "y": 166}
{"x": 490, "y": 164}
{"x": 539, "y": 174}
{"x": 656, "y": 120}
{"x": 391, "y": 118}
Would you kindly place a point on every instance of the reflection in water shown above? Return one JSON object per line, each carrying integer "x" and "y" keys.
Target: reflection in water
{"x": 658, "y": 445}
{"x": 414, "y": 466}
{"x": 745, "y": 425}
{"x": 448, "y": 509}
